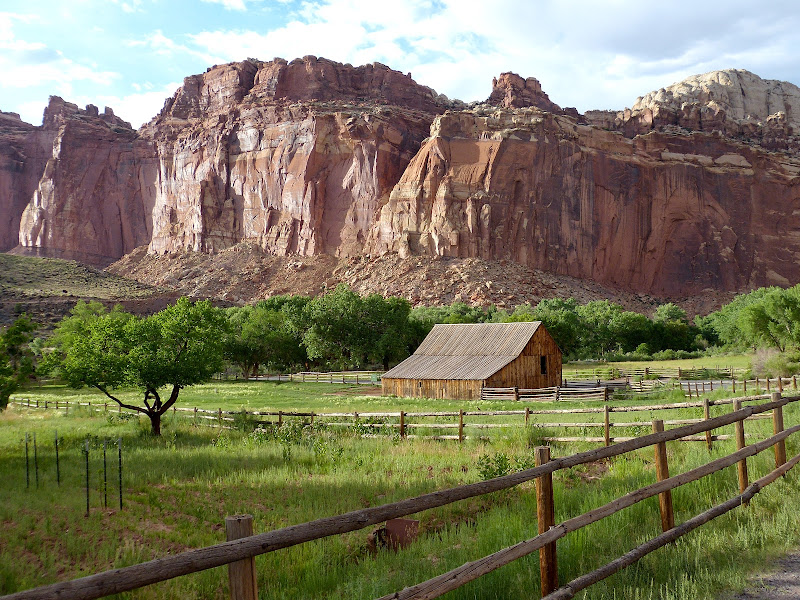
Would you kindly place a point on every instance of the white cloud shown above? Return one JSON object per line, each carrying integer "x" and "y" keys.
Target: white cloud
{"x": 585, "y": 53}
{"x": 130, "y": 7}
{"x": 229, "y": 4}
{"x": 136, "y": 108}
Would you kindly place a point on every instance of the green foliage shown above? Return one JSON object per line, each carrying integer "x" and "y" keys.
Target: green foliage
{"x": 176, "y": 347}
{"x": 491, "y": 466}
{"x": 16, "y": 357}
{"x": 262, "y": 335}
{"x": 346, "y": 330}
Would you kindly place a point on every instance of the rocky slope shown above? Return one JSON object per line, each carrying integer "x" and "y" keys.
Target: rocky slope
{"x": 681, "y": 195}
{"x": 245, "y": 273}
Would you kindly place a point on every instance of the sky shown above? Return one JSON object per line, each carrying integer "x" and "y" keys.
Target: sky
{"x": 133, "y": 54}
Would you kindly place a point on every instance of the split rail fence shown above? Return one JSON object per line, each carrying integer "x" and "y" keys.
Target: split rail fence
{"x": 402, "y": 423}
{"x": 239, "y": 553}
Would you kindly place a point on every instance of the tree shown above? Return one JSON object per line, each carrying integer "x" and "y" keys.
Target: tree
{"x": 16, "y": 357}
{"x": 773, "y": 320}
{"x": 336, "y": 332}
{"x": 174, "y": 348}
{"x": 259, "y": 335}
{"x": 388, "y": 326}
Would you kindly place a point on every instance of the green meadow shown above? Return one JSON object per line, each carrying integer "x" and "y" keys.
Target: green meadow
{"x": 177, "y": 490}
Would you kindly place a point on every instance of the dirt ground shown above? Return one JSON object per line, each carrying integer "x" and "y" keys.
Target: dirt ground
{"x": 780, "y": 583}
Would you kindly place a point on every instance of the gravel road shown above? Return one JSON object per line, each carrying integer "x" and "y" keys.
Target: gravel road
{"x": 780, "y": 583}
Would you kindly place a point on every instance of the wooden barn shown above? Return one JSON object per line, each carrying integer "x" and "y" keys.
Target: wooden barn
{"x": 456, "y": 361}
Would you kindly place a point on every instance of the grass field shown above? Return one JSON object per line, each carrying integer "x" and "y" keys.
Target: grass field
{"x": 179, "y": 488}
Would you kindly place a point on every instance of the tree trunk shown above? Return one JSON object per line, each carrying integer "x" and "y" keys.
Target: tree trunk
{"x": 155, "y": 423}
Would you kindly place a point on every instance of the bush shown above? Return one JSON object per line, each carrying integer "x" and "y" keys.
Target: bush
{"x": 784, "y": 364}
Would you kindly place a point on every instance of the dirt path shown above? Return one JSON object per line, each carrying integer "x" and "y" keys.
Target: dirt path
{"x": 781, "y": 583}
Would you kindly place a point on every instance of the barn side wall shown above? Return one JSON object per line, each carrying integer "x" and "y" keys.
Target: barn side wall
{"x": 455, "y": 389}
{"x": 525, "y": 370}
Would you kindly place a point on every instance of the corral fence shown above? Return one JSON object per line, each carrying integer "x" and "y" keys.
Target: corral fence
{"x": 411, "y": 424}
{"x": 239, "y": 553}
{"x": 602, "y": 391}
{"x": 613, "y": 372}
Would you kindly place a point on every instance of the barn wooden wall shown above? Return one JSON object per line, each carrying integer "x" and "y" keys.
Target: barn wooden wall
{"x": 525, "y": 370}
{"x": 456, "y": 389}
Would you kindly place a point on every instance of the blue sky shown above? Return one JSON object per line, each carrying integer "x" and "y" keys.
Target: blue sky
{"x": 132, "y": 54}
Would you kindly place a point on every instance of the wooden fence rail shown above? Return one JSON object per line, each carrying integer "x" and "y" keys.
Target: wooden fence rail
{"x": 227, "y": 419}
{"x": 193, "y": 561}
{"x": 610, "y": 371}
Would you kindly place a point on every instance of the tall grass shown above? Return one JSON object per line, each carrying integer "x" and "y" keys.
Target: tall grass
{"x": 179, "y": 488}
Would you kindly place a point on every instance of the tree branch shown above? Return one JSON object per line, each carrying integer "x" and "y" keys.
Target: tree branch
{"x": 120, "y": 402}
{"x": 173, "y": 397}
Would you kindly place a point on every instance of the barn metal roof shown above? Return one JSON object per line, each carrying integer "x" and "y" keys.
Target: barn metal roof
{"x": 465, "y": 351}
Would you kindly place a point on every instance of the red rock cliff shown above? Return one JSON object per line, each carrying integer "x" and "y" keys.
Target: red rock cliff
{"x": 669, "y": 215}
{"x": 678, "y": 195}
{"x": 292, "y": 156}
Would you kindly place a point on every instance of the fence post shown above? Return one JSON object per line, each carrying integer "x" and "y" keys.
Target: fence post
{"x": 545, "y": 515}
{"x": 516, "y": 394}
{"x": 767, "y": 383}
{"x": 461, "y": 425}
{"x": 707, "y": 416}
{"x": 242, "y": 573}
{"x": 744, "y": 384}
{"x": 742, "y": 464}
{"x": 777, "y": 427}
{"x": 607, "y": 425}
{"x": 605, "y": 394}
{"x": 780, "y": 383}
{"x": 662, "y": 473}
{"x": 794, "y": 381}
{"x": 219, "y": 417}
{"x": 527, "y": 415}
{"x": 280, "y": 418}
{"x": 733, "y": 384}
{"x": 402, "y": 424}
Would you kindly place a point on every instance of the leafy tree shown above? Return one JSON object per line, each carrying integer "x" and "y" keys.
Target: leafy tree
{"x": 259, "y": 335}
{"x": 598, "y": 335}
{"x": 16, "y": 357}
{"x": 177, "y": 347}
{"x": 388, "y": 327}
{"x": 726, "y": 324}
{"x": 667, "y": 313}
{"x": 774, "y": 319}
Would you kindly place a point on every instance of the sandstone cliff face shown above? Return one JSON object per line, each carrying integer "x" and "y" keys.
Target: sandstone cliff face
{"x": 292, "y": 156}
{"x": 23, "y": 153}
{"x": 95, "y": 193}
{"x": 676, "y": 196}
{"x": 737, "y": 103}
{"x": 662, "y": 214}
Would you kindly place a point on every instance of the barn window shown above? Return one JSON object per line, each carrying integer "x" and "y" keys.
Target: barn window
{"x": 543, "y": 364}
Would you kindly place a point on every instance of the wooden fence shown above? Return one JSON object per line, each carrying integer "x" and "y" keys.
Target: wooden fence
{"x": 239, "y": 552}
{"x": 357, "y": 377}
{"x": 610, "y": 371}
{"x": 402, "y": 422}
